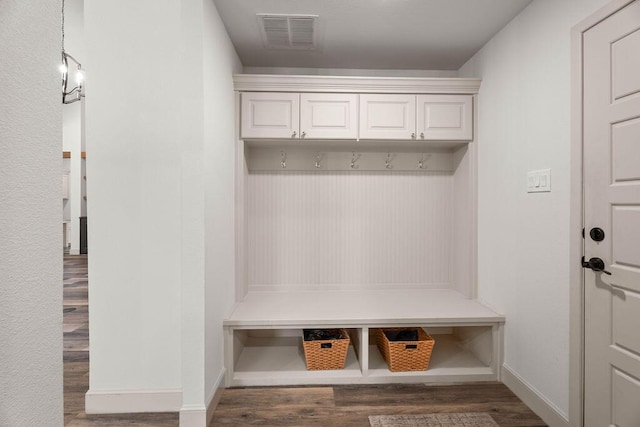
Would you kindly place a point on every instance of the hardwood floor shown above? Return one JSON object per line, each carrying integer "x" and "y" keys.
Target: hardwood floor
{"x": 352, "y": 405}
{"x": 325, "y": 406}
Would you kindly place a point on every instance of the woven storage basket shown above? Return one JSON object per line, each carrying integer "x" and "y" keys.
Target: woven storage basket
{"x": 326, "y": 354}
{"x": 404, "y": 356}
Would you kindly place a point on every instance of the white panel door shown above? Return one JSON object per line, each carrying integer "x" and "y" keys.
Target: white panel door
{"x": 387, "y": 116}
{"x": 329, "y": 115}
{"x": 445, "y": 117}
{"x": 270, "y": 115}
{"x": 612, "y": 203}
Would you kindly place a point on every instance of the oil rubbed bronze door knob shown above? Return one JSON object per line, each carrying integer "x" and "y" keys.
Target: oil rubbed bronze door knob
{"x": 595, "y": 264}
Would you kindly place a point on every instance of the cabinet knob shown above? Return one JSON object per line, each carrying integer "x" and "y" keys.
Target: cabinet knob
{"x": 303, "y": 134}
{"x": 421, "y": 135}
{"x": 413, "y": 136}
{"x": 293, "y": 135}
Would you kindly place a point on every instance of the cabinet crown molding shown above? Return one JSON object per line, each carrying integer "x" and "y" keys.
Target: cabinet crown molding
{"x": 351, "y": 84}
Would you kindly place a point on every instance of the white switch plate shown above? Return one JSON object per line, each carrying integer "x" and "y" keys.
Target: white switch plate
{"x": 539, "y": 181}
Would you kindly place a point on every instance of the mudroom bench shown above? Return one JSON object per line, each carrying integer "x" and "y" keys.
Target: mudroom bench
{"x": 356, "y": 208}
{"x": 263, "y": 341}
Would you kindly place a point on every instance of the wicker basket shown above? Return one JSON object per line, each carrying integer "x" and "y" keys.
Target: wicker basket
{"x": 326, "y": 354}
{"x": 404, "y": 356}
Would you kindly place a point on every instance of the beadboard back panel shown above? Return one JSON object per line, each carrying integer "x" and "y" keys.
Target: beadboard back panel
{"x": 340, "y": 230}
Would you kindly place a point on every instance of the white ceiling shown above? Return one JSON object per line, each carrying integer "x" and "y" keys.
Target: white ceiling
{"x": 373, "y": 34}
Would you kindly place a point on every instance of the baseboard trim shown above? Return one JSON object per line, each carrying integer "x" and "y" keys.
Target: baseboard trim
{"x": 131, "y": 401}
{"x": 215, "y": 394}
{"x": 539, "y": 404}
{"x": 200, "y": 416}
{"x": 193, "y": 416}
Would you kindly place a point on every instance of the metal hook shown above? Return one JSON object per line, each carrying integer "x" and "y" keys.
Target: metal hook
{"x": 318, "y": 156}
{"x": 422, "y": 160}
{"x": 354, "y": 159}
{"x": 283, "y": 163}
{"x": 387, "y": 163}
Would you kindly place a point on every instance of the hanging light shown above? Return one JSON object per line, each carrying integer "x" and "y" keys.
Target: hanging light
{"x": 77, "y": 93}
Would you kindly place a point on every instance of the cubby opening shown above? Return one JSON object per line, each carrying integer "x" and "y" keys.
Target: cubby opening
{"x": 276, "y": 357}
{"x": 458, "y": 351}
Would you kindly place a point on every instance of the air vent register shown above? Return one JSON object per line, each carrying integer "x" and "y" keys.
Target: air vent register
{"x": 288, "y": 31}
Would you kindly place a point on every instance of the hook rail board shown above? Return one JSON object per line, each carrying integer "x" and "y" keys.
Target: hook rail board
{"x": 298, "y": 159}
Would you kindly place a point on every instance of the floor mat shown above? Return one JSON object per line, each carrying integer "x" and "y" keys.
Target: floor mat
{"x": 466, "y": 419}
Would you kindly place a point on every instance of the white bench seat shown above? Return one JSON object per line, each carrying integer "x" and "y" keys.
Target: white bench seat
{"x": 263, "y": 336}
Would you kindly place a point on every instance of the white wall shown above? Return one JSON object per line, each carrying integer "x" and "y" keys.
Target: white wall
{"x": 193, "y": 410}
{"x": 135, "y": 135}
{"x": 30, "y": 215}
{"x": 346, "y": 230}
{"x": 220, "y": 62}
{"x": 161, "y": 164}
{"x": 523, "y": 248}
{"x": 207, "y": 205}
{"x": 208, "y": 238}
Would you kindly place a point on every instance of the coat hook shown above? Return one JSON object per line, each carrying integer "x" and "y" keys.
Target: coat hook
{"x": 283, "y": 163}
{"x": 387, "y": 163}
{"x": 318, "y": 156}
{"x": 354, "y": 159}
{"x": 422, "y": 160}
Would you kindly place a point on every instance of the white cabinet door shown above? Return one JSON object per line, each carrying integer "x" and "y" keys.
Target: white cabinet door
{"x": 270, "y": 115}
{"x": 445, "y": 117}
{"x": 329, "y": 116}
{"x": 387, "y": 116}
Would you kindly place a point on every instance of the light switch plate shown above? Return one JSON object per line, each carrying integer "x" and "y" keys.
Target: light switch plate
{"x": 539, "y": 181}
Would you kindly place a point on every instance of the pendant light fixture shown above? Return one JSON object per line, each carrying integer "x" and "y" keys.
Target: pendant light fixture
{"x": 77, "y": 93}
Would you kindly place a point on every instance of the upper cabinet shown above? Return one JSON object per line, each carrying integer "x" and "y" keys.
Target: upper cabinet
{"x": 356, "y": 108}
{"x": 329, "y": 115}
{"x": 445, "y": 117}
{"x": 306, "y": 115}
{"x": 270, "y": 115}
{"x": 420, "y": 117}
{"x": 387, "y": 116}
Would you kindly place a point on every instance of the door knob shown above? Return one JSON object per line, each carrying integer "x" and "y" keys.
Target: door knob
{"x": 596, "y": 264}
{"x": 597, "y": 234}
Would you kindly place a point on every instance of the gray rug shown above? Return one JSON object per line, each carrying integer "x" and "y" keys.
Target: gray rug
{"x": 466, "y": 419}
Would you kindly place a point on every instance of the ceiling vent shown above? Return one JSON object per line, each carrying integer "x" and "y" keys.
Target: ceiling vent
{"x": 288, "y": 31}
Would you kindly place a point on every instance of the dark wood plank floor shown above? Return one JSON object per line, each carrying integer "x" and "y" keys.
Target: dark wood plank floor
{"x": 325, "y": 406}
{"x": 352, "y": 405}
